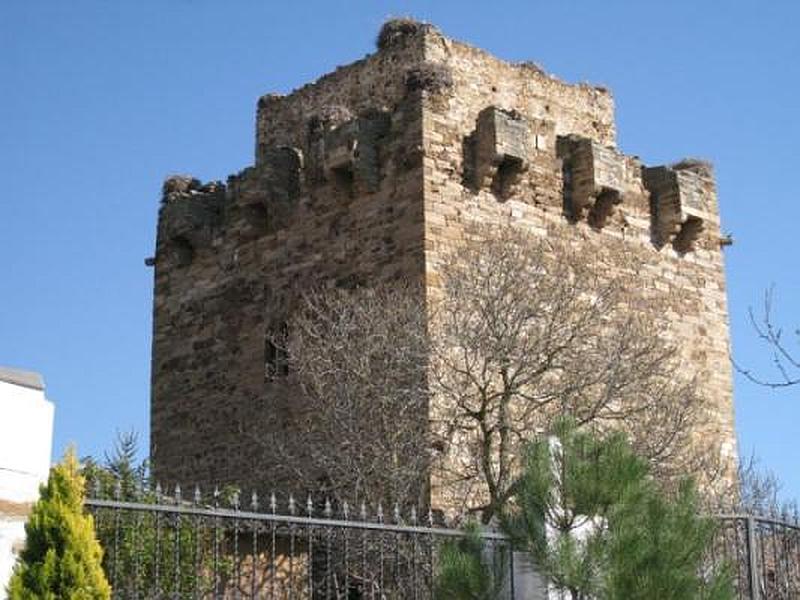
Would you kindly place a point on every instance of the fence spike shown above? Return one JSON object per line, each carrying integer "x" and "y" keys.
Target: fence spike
{"x": 158, "y": 493}
{"x": 235, "y": 500}
{"x": 118, "y": 489}
{"x": 310, "y": 506}
{"x": 98, "y": 490}
{"x": 254, "y": 501}
{"x": 138, "y": 491}
{"x": 273, "y": 503}
{"x": 751, "y": 535}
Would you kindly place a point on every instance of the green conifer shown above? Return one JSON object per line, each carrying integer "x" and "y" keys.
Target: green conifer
{"x": 657, "y": 546}
{"x": 463, "y": 572}
{"x": 599, "y": 527}
{"x": 62, "y": 558}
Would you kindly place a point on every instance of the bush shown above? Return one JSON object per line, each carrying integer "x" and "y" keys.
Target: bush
{"x": 62, "y": 558}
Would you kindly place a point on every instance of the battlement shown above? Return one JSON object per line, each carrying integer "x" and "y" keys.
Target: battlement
{"x": 415, "y": 59}
{"x": 369, "y": 175}
{"x": 191, "y": 213}
{"x": 683, "y": 201}
{"x": 342, "y": 130}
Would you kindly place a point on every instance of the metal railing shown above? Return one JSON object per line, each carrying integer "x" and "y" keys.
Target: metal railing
{"x": 763, "y": 553}
{"x": 157, "y": 546}
{"x": 164, "y": 546}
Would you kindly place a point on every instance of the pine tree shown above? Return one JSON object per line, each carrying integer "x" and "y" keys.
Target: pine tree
{"x": 134, "y": 554}
{"x": 599, "y": 527}
{"x": 463, "y": 572}
{"x": 62, "y": 558}
{"x": 121, "y": 472}
{"x": 657, "y": 545}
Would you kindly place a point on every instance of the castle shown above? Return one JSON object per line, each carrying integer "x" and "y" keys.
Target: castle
{"x": 365, "y": 176}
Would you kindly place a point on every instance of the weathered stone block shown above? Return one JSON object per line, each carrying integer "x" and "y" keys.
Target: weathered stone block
{"x": 501, "y": 145}
{"x": 594, "y": 178}
{"x": 352, "y": 151}
{"x": 433, "y": 78}
{"x": 280, "y": 174}
{"x": 190, "y": 214}
{"x": 683, "y": 202}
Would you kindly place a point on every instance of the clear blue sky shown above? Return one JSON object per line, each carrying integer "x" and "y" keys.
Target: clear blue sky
{"x": 99, "y": 101}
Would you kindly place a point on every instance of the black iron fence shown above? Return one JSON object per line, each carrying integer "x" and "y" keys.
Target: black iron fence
{"x": 166, "y": 546}
{"x": 158, "y": 546}
{"x": 763, "y": 553}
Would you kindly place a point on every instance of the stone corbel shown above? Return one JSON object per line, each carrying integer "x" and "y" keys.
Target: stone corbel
{"x": 190, "y": 214}
{"x": 682, "y": 201}
{"x": 351, "y": 155}
{"x": 501, "y": 144}
{"x": 594, "y": 178}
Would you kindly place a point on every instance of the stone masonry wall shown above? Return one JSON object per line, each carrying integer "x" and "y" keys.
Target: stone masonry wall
{"x": 368, "y": 175}
{"x": 334, "y": 197}
{"x": 575, "y": 186}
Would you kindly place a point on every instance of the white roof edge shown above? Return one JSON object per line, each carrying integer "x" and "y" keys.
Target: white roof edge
{"x": 29, "y": 379}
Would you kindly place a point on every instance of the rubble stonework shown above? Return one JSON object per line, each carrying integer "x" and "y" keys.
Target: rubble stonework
{"x": 368, "y": 175}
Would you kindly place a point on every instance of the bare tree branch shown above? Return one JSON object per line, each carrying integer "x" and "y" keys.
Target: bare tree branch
{"x": 357, "y": 364}
{"x": 395, "y": 384}
{"x": 785, "y": 360}
{"x": 525, "y": 330}
{"x": 758, "y": 491}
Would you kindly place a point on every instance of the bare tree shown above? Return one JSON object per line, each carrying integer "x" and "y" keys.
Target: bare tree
{"x": 357, "y": 360}
{"x": 785, "y": 359}
{"x": 397, "y": 384}
{"x": 759, "y": 492}
{"x": 525, "y": 330}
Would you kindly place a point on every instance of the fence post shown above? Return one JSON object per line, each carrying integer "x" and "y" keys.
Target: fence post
{"x": 511, "y": 571}
{"x": 527, "y": 582}
{"x": 752, "y": 559}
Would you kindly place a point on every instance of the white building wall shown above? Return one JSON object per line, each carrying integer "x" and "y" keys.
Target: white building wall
{"x": 12, "y": 540}
{"x": 26, "y": 433}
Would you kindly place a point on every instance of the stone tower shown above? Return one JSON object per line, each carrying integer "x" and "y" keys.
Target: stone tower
{"x": 364, "y": 176}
